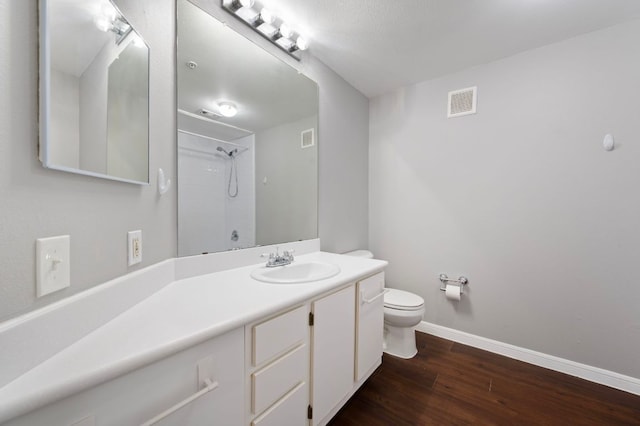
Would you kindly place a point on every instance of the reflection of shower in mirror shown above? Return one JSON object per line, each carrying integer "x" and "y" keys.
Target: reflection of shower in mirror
{"x": 211, "y": 208}
{"x": 234, "y": 168}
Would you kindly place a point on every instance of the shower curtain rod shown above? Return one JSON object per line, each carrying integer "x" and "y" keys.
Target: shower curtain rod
{"x": 240, "y": 148}
{"x": 220, "y": 123}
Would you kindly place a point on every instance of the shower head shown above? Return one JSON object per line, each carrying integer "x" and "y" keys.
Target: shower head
{"x": 231, "y": 153}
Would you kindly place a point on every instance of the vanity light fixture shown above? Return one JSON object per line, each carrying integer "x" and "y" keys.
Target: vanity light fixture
{"x": 114, "y": 23}
{"x": 267, "y": 25}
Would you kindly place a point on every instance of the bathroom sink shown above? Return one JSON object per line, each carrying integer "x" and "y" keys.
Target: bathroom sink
{"x": 296, "y": 273}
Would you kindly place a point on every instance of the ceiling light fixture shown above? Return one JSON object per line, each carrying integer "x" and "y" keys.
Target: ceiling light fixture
{"x": 227, "y": 109}
{"x": 267, "y": 25}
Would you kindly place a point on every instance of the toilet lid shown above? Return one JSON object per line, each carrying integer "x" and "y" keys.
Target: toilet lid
{"x": 400, "y": 299}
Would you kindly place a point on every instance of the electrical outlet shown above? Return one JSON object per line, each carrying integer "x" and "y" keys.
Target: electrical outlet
{"x": 53, "y": 271}
{"x": 134, "y": 247}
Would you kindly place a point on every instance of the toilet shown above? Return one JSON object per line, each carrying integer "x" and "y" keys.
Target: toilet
{"x": 402, "y": 313}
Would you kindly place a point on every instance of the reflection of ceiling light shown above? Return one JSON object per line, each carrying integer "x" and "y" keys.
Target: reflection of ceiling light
{"x": 227, "y": 109}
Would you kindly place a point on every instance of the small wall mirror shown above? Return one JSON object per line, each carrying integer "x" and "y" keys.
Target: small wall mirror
{"x": 247, "y": 141}
{"x": 94, "y": 91}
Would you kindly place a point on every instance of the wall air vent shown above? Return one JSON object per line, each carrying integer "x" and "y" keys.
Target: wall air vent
{"x": 307, "y": 139}
{"x": 462, "y": 102}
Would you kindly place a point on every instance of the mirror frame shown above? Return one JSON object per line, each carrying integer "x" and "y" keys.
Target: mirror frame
{"x": 44, "y": 95}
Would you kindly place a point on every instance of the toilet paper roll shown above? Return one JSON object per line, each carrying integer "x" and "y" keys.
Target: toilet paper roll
{"x": 452, "y": 292}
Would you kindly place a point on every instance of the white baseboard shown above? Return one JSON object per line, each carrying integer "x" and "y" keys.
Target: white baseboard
{"x": 587, "y": 372}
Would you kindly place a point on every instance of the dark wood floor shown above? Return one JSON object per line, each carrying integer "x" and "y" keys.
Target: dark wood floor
{"x": 450, "y": 384}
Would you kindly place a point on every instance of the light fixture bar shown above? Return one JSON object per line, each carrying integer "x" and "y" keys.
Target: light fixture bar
{"x": 267, "y": 25}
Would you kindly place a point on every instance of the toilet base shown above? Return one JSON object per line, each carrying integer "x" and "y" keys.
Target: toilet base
{"x": 400, "y": 341}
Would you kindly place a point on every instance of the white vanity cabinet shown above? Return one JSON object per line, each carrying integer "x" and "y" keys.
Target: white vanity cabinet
{"x": 277, "y": 364}
{"x": 143, "y": 394}
{"x": 369, "y": 324}
{"x": 296, "y": 367}
{"x": 303, "y": 364}
{"x": 333, "y": 337}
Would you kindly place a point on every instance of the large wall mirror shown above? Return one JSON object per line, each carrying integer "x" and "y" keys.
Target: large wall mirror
{"x": 247, "y": 141}
{"x": 94, "y": 91}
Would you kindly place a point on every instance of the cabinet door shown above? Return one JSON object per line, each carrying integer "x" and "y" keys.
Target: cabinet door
{"x": 333, "y": 337}
{"x": 143, "y": 394}
{"x": 370, "y": 324}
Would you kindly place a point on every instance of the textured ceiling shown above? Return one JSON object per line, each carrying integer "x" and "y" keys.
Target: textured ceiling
{"x": 379, "y": 45}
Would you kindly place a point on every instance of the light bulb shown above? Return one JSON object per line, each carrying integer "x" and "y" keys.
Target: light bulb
{"x": 227, "y": 109}
{"x": 285, "y": 31}
{"x": 266, "y": 16}
{"x": 302, "y": 43}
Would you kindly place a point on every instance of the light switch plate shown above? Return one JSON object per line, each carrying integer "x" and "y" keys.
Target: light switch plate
{"x": 53, "y": 264}
{"x": 134, "y": 247}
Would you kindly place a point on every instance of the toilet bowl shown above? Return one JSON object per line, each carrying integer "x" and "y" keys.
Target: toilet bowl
{"x": 402, "y": 313}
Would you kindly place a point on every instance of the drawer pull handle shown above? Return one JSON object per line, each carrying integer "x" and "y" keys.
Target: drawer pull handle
{"x": 374, "y": 298}
{"x": 208, "y": 388}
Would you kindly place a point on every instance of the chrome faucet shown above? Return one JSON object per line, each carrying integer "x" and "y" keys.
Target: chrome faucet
{"x": 277, "y": 259}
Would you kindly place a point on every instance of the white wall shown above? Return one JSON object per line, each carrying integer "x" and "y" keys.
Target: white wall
{"x": 286, "y": 184}
{"x": 36, "y": 202}
{"x": 521, "y": 198}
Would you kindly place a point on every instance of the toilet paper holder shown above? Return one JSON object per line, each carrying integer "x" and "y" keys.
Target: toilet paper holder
{"x": 444, "y": 279}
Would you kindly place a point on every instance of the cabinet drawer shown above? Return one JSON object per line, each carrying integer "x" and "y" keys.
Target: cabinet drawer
{"x": 276, "y": 379}
{"x": 278, "y": 334}
{"x": 289, "y": 411}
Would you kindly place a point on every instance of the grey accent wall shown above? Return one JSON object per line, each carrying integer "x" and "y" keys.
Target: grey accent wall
{"x": 521, "y": 198}
{"x": 344, "y": 162}
{"x": 36, "y": 202}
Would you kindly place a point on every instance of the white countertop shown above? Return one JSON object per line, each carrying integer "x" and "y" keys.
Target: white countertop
{"x": 180, "y": 315}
